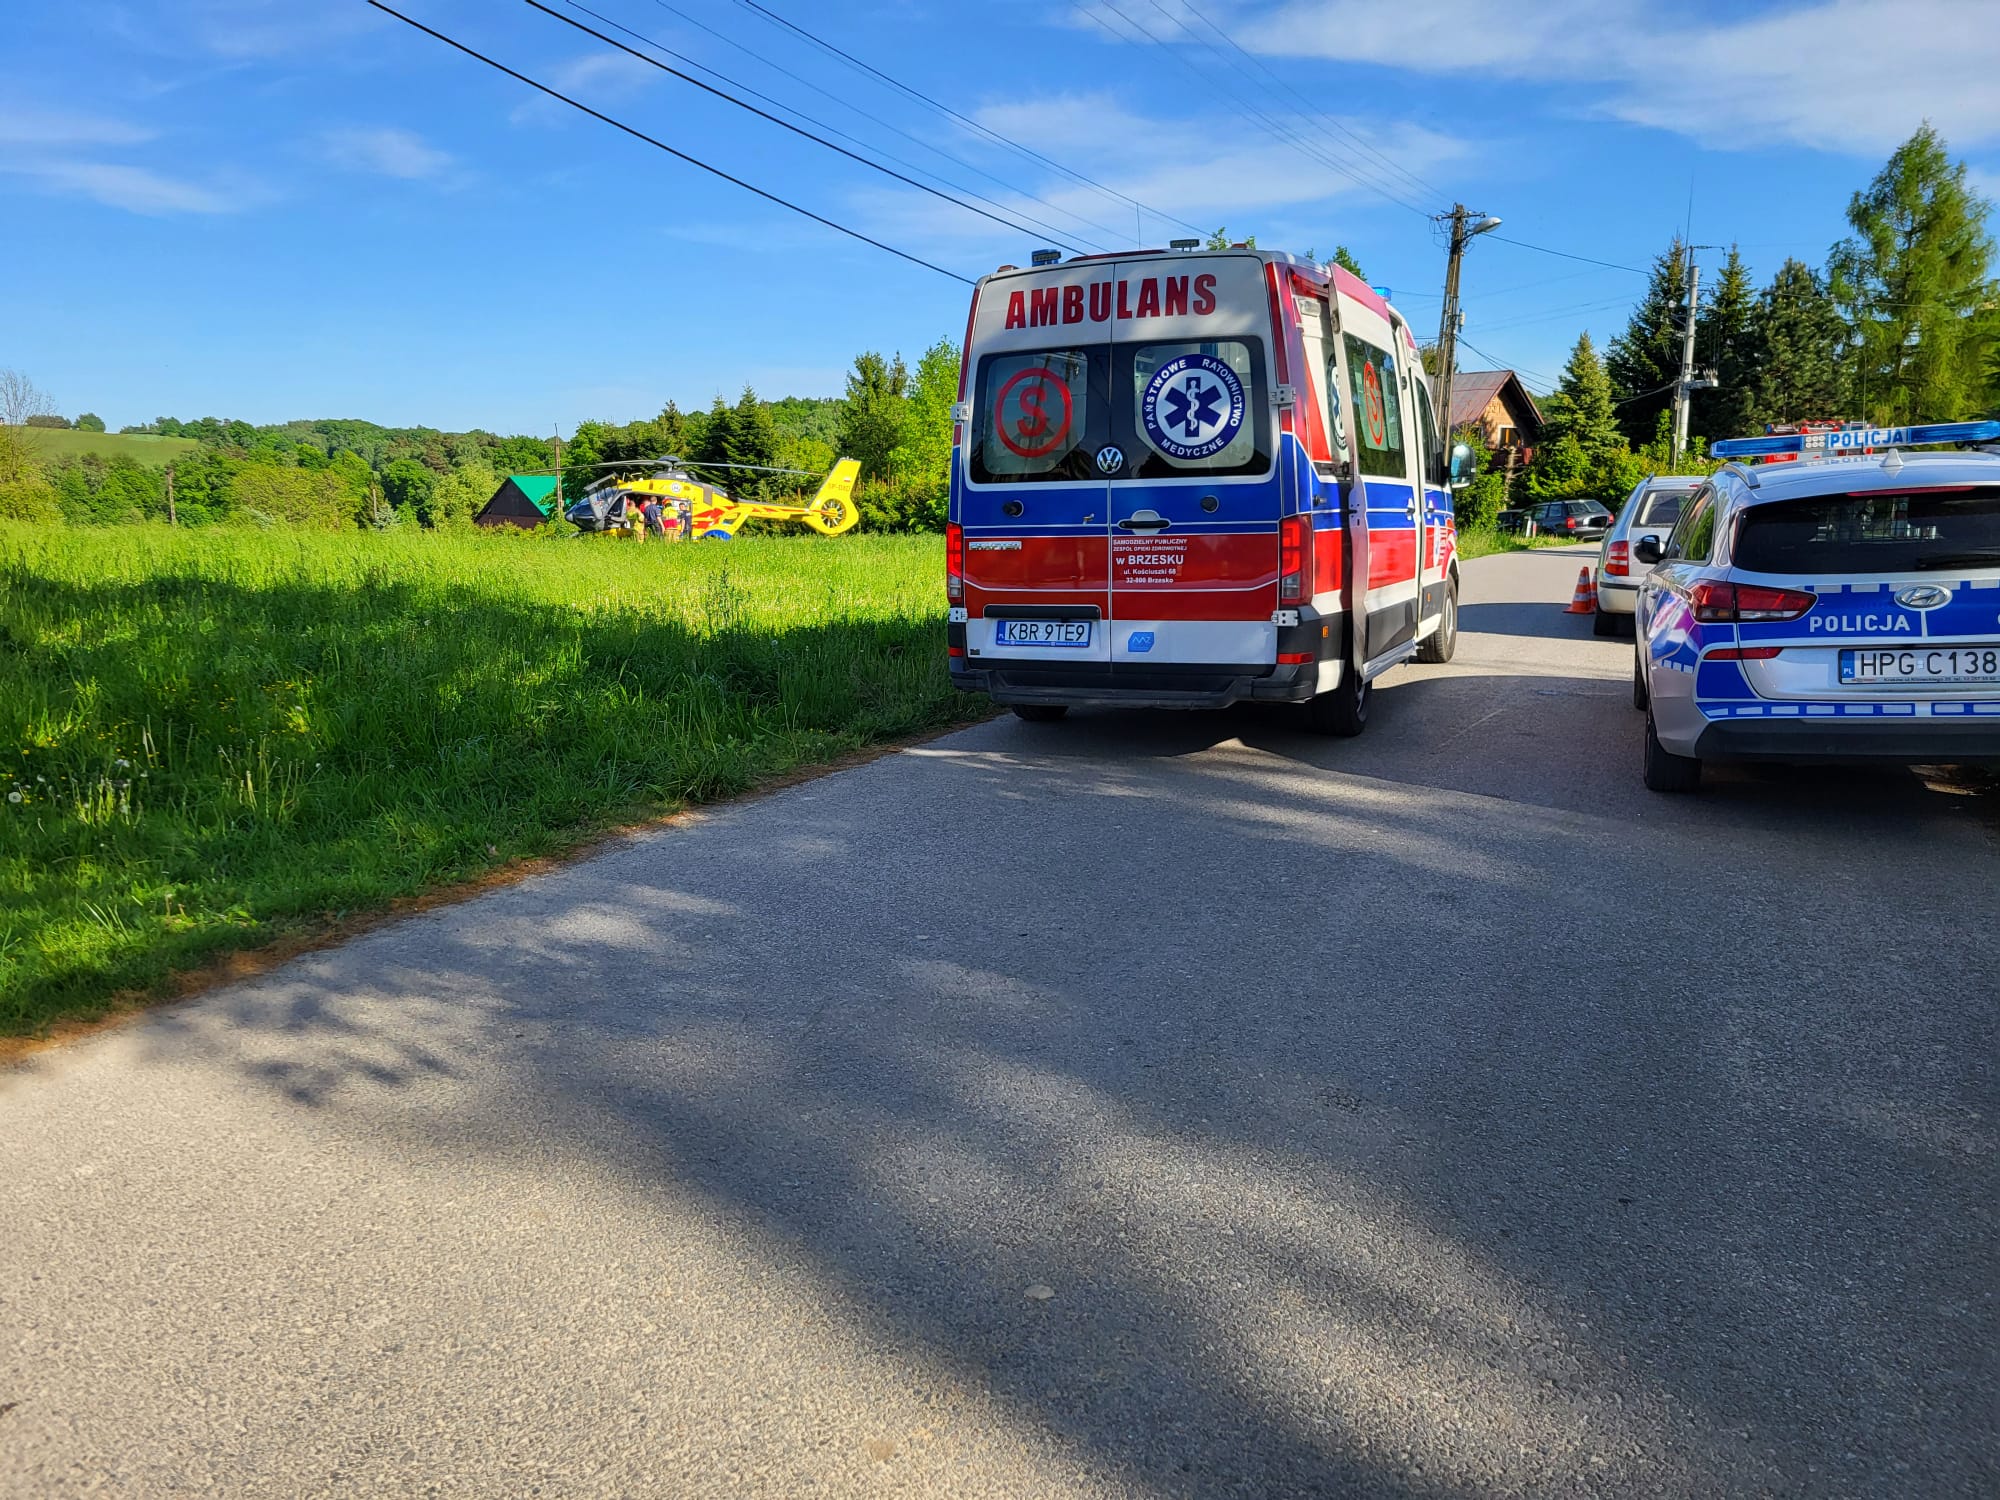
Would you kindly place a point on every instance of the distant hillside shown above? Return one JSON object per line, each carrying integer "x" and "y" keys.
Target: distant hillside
{"x": 55, "y": 443}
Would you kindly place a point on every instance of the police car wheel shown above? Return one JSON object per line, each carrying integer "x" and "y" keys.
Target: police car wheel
{"x": 1641, "y": 697}
{"x": 1665, "y": 771}
{"x": 1040, "y": 713}
{"x": 1440, "y": 643}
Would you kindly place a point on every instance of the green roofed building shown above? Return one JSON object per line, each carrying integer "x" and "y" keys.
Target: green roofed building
{"x": 521, "y": 500}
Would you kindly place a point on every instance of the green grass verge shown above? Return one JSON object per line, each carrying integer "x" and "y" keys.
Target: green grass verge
{"x": 52, "y": 443}
{"x": 212, "y": 740}
{"x": 1484, "y": 541}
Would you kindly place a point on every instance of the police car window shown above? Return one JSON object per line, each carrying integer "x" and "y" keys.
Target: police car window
{"x": 1694, "y": 537}
{"x": 1198, "y": 408}
{"x": 1034, "y": 414}
{"x": 1378, "y": 410}
{"x": 1872, "y": 532}
{"x": 1661, "y": 507}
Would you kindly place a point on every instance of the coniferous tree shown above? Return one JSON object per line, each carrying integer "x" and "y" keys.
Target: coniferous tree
{"x": 871, "y": 419}
{"x": 1580, "y": 441}
{"x": 1798, "y": 338}
{"x": 1725, "y": 341}
{"x": 1915, "y": 284}
{"x": 1645, "y": 360}
{"x": 753, "y": 444}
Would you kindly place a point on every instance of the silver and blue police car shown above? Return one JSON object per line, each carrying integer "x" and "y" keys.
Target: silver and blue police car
{"x": 1843, "y": 606}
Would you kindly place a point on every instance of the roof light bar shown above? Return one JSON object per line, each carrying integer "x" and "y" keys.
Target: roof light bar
{"x": 1854, "y": 439}
{"x": 1045, "y": 257}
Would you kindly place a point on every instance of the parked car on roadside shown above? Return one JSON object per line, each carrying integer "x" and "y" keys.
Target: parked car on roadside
{"x": 1654, "y": 505}
{"x": 1510, "y": 520}
{"x": 1838, "y": 609}
{"x": 1579, "y": 520}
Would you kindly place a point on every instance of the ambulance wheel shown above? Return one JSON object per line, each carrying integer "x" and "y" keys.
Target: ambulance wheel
{"x": 1440, "y": 643}
{"x": 1342, "y": 713}
{"x": 1040, "y": 713}
{"x": 1665, "y": 771}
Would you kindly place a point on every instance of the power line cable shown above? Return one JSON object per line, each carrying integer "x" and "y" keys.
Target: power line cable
{"x": 917, "y": 140}
{"x": 965, "y": 120}
{"x": 1566, "y": 255}
{"x": 1499, "y": 363}
{"x": 641, "y": 135}
{"x": 1285, "y": 135}
{"x": 797, "y": 130}
{"x": 825, "y": 125}
{"x": 1360, "y": 142}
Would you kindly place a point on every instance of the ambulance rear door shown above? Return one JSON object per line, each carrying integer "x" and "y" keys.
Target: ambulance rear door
{"x": 1387, "y": 454}
{"x": 1194, "y": 482}
{"x": 1032, "y": 500}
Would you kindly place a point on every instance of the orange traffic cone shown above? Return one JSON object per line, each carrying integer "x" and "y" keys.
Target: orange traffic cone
{"x": 1585, "y": 602}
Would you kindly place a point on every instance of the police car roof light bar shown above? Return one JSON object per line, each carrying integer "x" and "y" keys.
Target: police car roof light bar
{"x": 1854, "y": 439}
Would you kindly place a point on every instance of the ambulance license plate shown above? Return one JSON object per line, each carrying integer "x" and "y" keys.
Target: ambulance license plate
{"x": 1042, "y": 633}
{"x": 1918, "y": 664}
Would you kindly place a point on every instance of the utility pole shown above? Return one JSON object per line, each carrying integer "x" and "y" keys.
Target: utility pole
{"x": 172, "y": 518}
{"x": 559, "y": 488}
{"x": 1447, "y": 345}
{"x": 1684, "y": 385}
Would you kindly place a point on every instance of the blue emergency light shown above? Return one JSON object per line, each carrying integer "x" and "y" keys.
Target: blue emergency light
{"x": 1854, "y": 439}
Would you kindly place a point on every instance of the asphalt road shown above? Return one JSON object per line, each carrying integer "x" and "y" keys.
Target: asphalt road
{"x": 1433, "y": 1114}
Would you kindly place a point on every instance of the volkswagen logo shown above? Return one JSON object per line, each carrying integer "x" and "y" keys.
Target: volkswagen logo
{"x": 1110, "y": 459}
{"x": 1923, "y": 596}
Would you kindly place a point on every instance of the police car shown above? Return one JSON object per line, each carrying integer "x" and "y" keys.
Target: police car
{"x": 1845, "y": 608}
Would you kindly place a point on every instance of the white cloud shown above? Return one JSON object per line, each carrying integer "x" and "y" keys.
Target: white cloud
{"x": 255, "y": 29}
{"x": 1842, "y": 75}
{"x": 136, "y": 189}
{"x": 23, "y": 125}
{"x": 386, "y": 151}
{"x": 596, "y": 78}
{"x": 1204, "y": 169}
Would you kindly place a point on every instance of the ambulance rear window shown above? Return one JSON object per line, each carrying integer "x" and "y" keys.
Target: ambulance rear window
{"x": 1197, "y": 408}
{"x": 1878, "y": 531}
{"x": 1034, "y": 411}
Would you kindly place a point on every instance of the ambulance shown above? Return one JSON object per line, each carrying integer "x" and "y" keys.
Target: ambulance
{"x": 1188, "y": 479}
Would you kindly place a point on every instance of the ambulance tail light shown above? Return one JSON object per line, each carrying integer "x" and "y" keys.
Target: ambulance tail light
{"x": 1295, "y": 558}
{"x": 1618, "y": 560}
{"x": 954, "y": 562}
{"x": 1727, "y": 603}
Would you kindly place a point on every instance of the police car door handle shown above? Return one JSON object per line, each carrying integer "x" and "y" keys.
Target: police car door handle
{"x": 1143, "y": 520}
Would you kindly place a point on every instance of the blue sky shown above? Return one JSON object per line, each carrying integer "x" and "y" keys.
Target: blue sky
{"x": 272, "y": 209}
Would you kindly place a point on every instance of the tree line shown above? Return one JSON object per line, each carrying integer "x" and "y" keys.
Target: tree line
{"x": 1900, "y": 325}
{"x": 338, "y": 474}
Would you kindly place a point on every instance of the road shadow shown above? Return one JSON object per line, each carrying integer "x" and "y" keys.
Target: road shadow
{"x": 1374, "y": 1183}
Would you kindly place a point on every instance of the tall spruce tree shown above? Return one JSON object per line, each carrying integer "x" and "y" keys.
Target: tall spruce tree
{"x": 1645, "y": 360}
{"x": 1915, "y": 284}
{"x": 1798, "y": 340}
{"x": 753, "y": 444}
{"x": 1725, "y": 340}
{"x": 1580, "y": 441}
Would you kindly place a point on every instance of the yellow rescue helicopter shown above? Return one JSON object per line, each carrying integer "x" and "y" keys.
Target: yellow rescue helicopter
{"x": 696, "y": 509}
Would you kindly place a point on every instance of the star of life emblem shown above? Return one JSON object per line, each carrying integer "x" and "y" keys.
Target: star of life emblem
{"x": 1193, "y": 407}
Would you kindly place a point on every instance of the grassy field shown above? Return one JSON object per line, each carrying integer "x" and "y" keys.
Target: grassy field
{"x": 210, "y": 740}
{"x": 52, "y": 443}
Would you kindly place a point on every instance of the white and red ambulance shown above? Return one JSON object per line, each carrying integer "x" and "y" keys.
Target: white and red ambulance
{"x": 1187, "y": 479}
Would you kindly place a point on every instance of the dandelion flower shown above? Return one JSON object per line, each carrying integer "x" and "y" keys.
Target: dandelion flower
{"x": 13, "y": 796}
{"x": 121, "y": 764}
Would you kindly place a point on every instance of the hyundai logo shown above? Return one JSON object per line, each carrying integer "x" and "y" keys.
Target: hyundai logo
{"x": 1923, "y": 596}
{"x": 1110, "y": 459}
